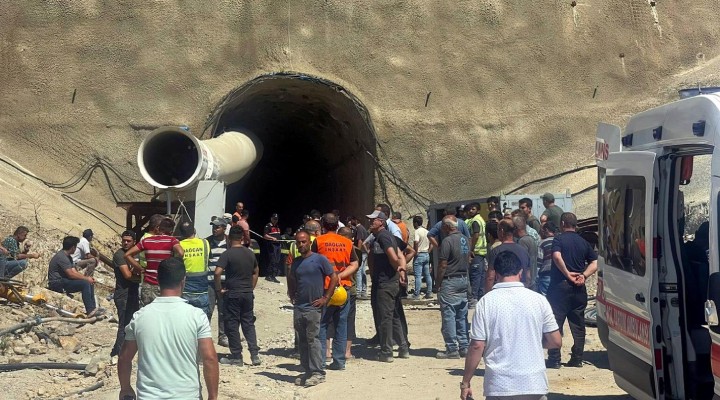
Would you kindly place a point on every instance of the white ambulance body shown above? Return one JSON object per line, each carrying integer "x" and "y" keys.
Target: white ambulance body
{"x": 658, "y": 199}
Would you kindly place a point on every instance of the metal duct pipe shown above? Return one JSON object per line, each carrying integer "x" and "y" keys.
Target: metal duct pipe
{"x": 172, "y": 158}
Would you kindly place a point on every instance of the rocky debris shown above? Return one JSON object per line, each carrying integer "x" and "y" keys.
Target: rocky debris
{"x": 65, "y": 330}
{"x": 70, "y": 344}
{"x": 21, "y": 350}
{"x": 96, "y": 365}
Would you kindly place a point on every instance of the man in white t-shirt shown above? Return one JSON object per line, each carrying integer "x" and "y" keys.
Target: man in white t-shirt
{"x": 83, "y": 259}
{"x": 511, "y": 327}
{"x": 171, "y": 337}
{"x": 421, "y": 265}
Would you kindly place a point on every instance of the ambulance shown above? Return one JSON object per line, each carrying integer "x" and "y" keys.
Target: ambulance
{"x": 659, "y": 268}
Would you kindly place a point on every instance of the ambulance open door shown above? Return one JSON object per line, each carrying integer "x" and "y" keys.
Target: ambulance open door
{"x": 628, "y": 291}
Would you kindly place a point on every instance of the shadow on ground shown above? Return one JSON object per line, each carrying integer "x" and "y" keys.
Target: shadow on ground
{"x": 278, "y": 377}
{"x": 559, "y": 396}
{"x": 461, "y": 372}
{"x": 598, "y": 358}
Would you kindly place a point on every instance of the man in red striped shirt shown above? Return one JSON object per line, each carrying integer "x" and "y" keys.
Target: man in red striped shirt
{"x": 157, "y": 248}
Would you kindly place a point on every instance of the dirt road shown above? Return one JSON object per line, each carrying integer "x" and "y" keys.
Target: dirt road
{"x": 420, "y": 377}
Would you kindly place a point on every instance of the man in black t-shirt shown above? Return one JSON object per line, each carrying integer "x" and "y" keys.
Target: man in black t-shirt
{"x": 388, "y": 268}
{"x": 241, "y": 271}
{"x": 574, "y": 261}
{"x": 126, "y": 295}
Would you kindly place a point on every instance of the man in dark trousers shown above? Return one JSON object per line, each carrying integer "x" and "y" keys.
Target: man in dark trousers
{"x": 574, "y": 261}
{"x": 306, "y": 281}
{"x": 241, "y": 271}
{"x": 272, "y": 237}
{"x": 127, "y": 289}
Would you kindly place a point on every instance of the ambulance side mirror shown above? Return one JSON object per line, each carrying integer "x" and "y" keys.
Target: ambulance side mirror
{"x": 711, "y": 313}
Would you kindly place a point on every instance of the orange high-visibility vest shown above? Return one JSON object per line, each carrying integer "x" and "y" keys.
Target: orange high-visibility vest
{"x": 337, "y": 249}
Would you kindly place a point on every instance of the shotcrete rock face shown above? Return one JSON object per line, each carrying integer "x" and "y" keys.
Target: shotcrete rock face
{"x": 316, "y": 137}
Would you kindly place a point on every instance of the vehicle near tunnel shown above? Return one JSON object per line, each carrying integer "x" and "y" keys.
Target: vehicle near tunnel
{"x": 659, "y": 237}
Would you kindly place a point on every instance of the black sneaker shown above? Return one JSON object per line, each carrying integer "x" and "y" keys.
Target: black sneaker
{"x": 388, "y": 358}
{"x": 404, "y": 352}
{"x": 463, "y": 353}
{"x": 255, "y": 359}
{"x": 230, "y": 360}
{"x": 272, "y": 279}
{"x": 447, "y": 355}
{"x": 575, "y": 362}
{"x": 552, "y": 364}
{"x": 223, "y": 341}
{"x": 335, "y": 366}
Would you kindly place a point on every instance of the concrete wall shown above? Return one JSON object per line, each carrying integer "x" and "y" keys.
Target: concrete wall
{"x": 511, "y": 81}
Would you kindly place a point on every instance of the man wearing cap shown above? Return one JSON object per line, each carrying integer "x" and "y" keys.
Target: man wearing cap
{"x": 83, "y": 258}
{"x": 552, "y": 212}
{"x": 272, "y": 236}
{"x": 218, "y": 245}
{"x": 339, "y": 250}
{"x": 196, "y": 253}
{"x": 388, "y": 271}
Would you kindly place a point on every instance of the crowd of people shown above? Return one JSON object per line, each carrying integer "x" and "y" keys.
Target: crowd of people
{"x": 523, "y": 275}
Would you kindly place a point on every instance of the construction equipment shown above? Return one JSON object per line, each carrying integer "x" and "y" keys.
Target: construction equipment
{"x": 14, "y": 292}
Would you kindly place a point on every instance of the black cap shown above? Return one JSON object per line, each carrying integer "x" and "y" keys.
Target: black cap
{"x": 88, "y": 233}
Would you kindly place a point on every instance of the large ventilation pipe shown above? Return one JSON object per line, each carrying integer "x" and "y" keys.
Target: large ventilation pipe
{"x": 172, "y": 158}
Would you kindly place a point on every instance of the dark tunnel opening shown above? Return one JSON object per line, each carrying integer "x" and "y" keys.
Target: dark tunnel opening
{"x": 316, "y": 136}
{"x": 174, "y": 159}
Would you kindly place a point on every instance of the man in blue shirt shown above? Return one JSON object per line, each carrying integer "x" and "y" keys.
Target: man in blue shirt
{"x": 436, "y": 235}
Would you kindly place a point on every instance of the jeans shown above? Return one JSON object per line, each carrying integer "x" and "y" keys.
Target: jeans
{"x": 361, "y": 277}
{"x": 421, "y": 267}
{"x": 452, "y": 297}
{"x": 542, "y": 283}
{"x": 477, "y": 277}
{"x": 389, "y": 321}
{"x": 569, "y": 301}
{"x": 10, "y": 268}
{"x": 213, "y": 299}
{"x": 74, "y": 286}
{"x": 127, "y": 301}
{"x": 199, "y": 300}
{"x": 338, "y": 317}
{"x": 240, "y": 313}
{"x": 307, "y": 325}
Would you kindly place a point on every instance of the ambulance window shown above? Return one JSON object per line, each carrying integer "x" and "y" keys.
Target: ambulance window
{"x": 623, "y": 223}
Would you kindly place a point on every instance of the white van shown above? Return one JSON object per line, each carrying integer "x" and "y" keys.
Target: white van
{"x": 658, "y": 203}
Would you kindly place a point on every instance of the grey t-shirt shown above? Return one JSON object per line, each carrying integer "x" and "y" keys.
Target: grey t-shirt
{"x": 58, "y": 264}
{"x": 516, "y": 249}
{"x": 455, "y": 248}
{"x": 309, "y": 274}
{"x": 531, "y": 247}
{"x": 553, "y": 214}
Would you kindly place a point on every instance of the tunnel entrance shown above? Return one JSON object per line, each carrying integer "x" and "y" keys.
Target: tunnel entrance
{"x": 316, "y": 137}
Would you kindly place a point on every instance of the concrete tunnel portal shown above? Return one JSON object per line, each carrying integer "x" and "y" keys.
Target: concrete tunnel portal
{"x": 315, "y": 136}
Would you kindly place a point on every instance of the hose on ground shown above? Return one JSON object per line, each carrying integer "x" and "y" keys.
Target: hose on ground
{"x": 47, "y": 365}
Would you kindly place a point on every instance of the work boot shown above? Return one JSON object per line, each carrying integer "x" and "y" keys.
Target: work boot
{"x": 272, "y": 279}
{"x": 255, "y": 359}
{"x": 314, "y": 379}
{"x": 404, "y": 352}
{"x": 232, "y": 360}
{"x": 223, "y": 341}
{"x": 575, "y": 362}
{"x": 463, "y": 353}
{"x": 428, "y": 295}
{"x": 447, "y": 355}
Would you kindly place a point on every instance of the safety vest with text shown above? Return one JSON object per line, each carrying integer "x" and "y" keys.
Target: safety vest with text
{"x": 196, "y": 255}
{"x": 338, "y": 250}
{"x": 481, "y": 244}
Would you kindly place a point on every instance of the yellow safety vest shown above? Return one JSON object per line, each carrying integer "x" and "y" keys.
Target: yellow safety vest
{"x": 481, "y": 245}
